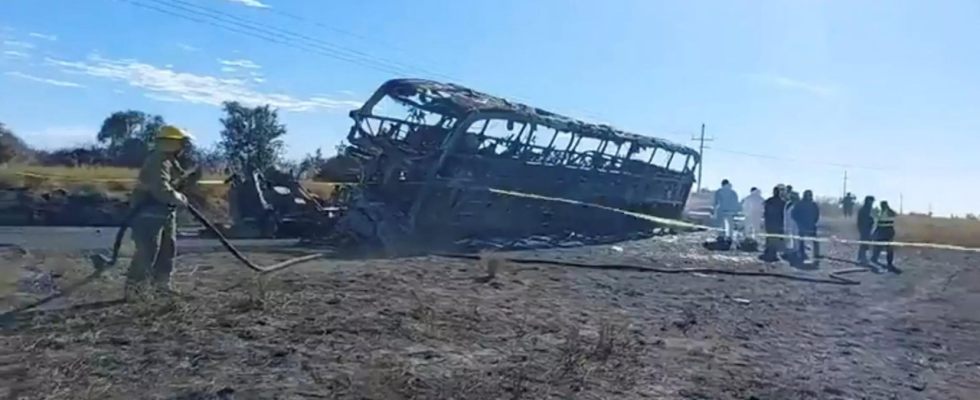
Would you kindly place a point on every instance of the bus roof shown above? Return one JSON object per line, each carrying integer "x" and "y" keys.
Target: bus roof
{"x": 458, "y": 102}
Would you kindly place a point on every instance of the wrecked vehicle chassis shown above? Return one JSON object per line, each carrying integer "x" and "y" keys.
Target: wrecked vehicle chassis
{"x": 426, "y": 171}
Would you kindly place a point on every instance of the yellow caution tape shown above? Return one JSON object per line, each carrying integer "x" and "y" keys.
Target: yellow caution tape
{"x": 659, "y": 220}
{"x": 683, "y": 224}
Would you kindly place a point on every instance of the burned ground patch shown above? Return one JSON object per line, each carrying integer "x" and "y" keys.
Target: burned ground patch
{"x": 431, "y": 327}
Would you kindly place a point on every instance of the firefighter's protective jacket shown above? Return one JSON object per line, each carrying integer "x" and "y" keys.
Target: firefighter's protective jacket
{"x": 157, "y": 179}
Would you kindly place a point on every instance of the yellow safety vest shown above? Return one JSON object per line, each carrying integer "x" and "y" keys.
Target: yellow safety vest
{"x": 886, "y": 219}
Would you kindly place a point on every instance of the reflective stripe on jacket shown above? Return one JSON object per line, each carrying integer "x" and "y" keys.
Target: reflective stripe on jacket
{"x": 886, "y": 219}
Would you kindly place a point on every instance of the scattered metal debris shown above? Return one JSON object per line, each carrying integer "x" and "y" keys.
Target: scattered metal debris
{"x": 273, "y": 205}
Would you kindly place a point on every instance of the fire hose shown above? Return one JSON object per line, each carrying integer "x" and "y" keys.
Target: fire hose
{"x": 835, "y": 277}
{"x": 103, "y": 263}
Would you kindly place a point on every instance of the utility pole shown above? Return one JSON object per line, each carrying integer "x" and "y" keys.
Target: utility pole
{"x": 701, "y": 139}
{"x": 844, "y": 194}
{"x": 901, "y": 203}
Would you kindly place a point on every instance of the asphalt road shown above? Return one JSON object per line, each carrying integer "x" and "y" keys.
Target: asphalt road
{"x": 70, "y": 239}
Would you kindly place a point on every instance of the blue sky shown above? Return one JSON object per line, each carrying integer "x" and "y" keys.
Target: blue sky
{"x": 791, "y": 90}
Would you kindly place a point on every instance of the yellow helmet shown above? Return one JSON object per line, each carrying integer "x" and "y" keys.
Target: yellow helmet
{"x": 173, "y": 133}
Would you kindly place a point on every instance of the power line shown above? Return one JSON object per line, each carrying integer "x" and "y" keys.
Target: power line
{"x": 701, "y": 140}
{"x": 217, "y": 14}
{"x": 253, "y": 35}
{"x": 289, "y": 38}
{"x": 337, "y": 30}
{"x": 257, "y": 29}
{"x": 269, "y": 38}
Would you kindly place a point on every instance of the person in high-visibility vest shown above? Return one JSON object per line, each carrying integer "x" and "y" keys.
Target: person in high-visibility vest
{"x": 885, "y": 233}
{"x": 154, "y": 230}
{"x": 865, "y": 226}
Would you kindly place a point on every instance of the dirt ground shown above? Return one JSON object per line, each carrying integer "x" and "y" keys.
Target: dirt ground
{"x": 431, "y": 328}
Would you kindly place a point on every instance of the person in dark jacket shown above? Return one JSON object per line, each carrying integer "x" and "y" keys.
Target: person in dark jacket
{"x": 773, "y": 215}
{"x": 848, "y": 204}
{"x": 806, "y": 214}
{"x": 865, "y": 226}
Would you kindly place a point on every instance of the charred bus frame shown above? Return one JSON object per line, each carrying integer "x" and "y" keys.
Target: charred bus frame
{"x": 431, "y": 166}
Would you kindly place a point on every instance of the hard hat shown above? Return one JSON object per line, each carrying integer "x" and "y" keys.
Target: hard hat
{"x": 174, "y": 133}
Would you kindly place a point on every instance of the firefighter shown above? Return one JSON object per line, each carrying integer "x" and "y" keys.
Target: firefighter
{"x": 154, "y": 229}
{"x": 865, "y": 226}
{"x": 884, "y": 232}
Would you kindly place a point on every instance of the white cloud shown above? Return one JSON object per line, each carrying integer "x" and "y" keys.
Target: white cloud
{"x": 60, "y": 137}
{"x": 169, "y": 85}
{"x": 44, "y": 80}
{"x": 187, "y": 47}
{"x": 162, "y": 97}
{"x": 43, "y": 36}
{"x": 15, "y": 54}
{"x": 259, "y": 80}
{"x": 820, "y": 90}
{"x": 228, "y": 69}
{"x": 14, "y": 43}
{"x": 251, "y": 3}
{"x": 347, "y": 92}
{"x": 247, "y": 64}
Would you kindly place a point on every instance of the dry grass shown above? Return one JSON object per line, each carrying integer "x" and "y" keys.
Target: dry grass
{"x": 109, "y": 179}
{"x": 430, "y": 328}
{"x": 346, "y": 333}
{"x": 921, "y": 228}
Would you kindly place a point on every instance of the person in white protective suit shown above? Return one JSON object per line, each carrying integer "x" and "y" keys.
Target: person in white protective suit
{"x": 791, "y": 230}
{"x": 753, "y": 208}
{"x": 726, "y": 206}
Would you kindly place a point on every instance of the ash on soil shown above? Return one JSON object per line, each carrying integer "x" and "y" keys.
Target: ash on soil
{"x": 430, "y": 327}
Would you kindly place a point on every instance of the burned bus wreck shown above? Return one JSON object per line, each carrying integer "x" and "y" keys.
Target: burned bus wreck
{"x": 429, "y": 151}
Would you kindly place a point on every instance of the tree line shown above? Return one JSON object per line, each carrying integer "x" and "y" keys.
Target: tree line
{"x": 250, "y": 136}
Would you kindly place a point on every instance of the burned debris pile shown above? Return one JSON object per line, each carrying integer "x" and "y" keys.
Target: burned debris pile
{"x": 430, "y": 151}
{"x": 273, "y": 204}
